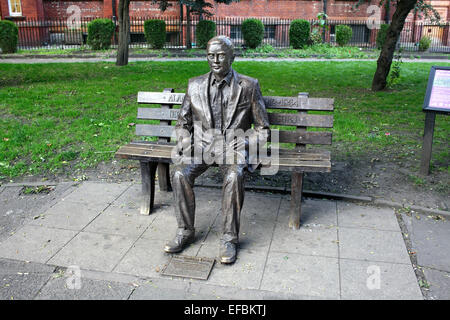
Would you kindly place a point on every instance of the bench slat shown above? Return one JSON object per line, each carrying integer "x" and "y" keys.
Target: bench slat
{"x": 157, "y": 114}
{"x": 304, "y": 166}
{"x": 310, "y": 120}
{"x": 272, "y": 102}
{"x": 156, "y": 145}
{"x": 308, "y": 137}
{"x": 287, "y": 119}
{"x": 160, "y": 97}
{"x": 154, "y": 130}
{"x": 140, "y": 151}
{"x": 294, "y": 103}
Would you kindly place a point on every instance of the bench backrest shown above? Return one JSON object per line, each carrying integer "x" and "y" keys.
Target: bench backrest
{"x": 276, "y": 107}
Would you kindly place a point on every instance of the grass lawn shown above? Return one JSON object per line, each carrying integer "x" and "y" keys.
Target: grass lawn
{"x": 58, "y": 118}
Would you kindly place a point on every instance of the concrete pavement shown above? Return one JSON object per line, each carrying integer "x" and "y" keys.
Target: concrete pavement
{"x": 90, "y": 242}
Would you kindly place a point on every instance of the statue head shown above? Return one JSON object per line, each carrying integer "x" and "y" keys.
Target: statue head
{"x": 220, "y": 55}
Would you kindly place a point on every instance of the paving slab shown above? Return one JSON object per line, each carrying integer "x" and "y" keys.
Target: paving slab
{"x": 300, "y": 274}
{"x": 314, "y": 212}
{"x": 61, "y": 288}
{"x": 35, "y": 243}
{"x": 22, "y": 281}
{"x": 162, "y": 289}
{"x": 16, "y": 208}
{"x": 362, "y": 280}
{"x": 261, "y": 206}
{"x": 68, "y": 215}
{"x": 358, "y": 216}
{"x": 120, "y": 221}
{"x": 93, "y": 251}
{"x": 430, "y": 239}
{"x": 97, "y": 193}
{"x": 308, "y": 240}
{"x": 372, "y": 245}
{"x": 439, "y": 282}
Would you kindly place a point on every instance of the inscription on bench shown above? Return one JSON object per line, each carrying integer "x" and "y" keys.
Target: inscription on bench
{"x": 287, "y": 102}
{"x": 160, "y": 97}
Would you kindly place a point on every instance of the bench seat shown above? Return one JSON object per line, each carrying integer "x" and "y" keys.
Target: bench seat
{"x": 289, "y": 160}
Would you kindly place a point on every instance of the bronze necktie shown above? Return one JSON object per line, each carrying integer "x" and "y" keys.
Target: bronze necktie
{"x": 217, "y": 105}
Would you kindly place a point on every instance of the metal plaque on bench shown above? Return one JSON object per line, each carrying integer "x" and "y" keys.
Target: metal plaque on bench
{"x": 189, "y": 267}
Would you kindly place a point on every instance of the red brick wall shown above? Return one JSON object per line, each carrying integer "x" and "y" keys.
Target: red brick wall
{"x": 58, "y": 9}
{"x": 288, "y": 9}
{"x": 292, "y": 9}
{"x": 146, "y": 9}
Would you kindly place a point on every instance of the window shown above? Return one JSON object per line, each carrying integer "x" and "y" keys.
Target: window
{"x": 269, "y": 32}
{"x": 235, "y": 32}
{"x": 15, "y": 8}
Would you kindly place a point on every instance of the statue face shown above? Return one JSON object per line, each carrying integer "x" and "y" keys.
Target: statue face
{"x": 220, "y": 58}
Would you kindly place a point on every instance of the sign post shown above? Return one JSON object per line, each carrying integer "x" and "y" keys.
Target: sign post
{"x": 437, "y": 100}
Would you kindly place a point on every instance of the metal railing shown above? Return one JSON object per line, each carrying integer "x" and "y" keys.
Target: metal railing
{"x": 56, "y": 33}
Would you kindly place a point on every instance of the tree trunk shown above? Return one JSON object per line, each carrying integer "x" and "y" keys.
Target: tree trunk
{"x": 188, "y": 28}
{"x": 387, "y": 51}
{"x": 124, "y": 33}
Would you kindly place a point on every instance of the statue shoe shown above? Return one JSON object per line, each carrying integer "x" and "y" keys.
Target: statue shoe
{"x": 227, "y": 252}
{"x": 179, "y": 243}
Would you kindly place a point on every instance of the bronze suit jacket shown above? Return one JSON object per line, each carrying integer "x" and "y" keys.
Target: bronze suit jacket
{"x": 245, "y": 107}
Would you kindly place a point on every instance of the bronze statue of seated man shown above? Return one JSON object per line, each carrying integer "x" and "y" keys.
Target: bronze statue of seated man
{"x": 220, "y": 100}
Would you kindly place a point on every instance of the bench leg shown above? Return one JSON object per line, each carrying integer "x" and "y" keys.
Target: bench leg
{"x": 164, "y": 177}
{"x": 296, "y": 200}
{"x": 148, "y": 171}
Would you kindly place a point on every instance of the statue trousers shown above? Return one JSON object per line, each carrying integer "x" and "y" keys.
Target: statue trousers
{"x": 183, "y": 177}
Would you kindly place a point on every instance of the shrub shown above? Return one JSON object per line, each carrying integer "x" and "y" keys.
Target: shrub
{"x": 100, "y": 32}
{"x": 9, "y": 35}
{"x": 424, "y": 43}
{"x": 206, "y": 30}
{"x": 155, "y": 33}
{"x": 253, "y": 32}
{"x": 299, "y": 33}
{"x": 381, "y": 36}
{"x": 343, "y": 34}
{"x": 315, "y": 37}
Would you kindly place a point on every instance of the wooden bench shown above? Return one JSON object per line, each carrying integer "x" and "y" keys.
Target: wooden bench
{"x": 156, "y": 155}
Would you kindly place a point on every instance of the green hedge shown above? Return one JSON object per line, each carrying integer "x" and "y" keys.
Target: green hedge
{"x": 155, "y": 33}
{"x": 9, "y": 35}
{"x": 206, "y": 30}
{"x": 100, "y": 32}
{"x": 343, "y": 34}
{"x": 253, "y": 32}
{"x": 424, "y": 43}
{"x": 381, "y": 36}
{"x": 299, "y": 33}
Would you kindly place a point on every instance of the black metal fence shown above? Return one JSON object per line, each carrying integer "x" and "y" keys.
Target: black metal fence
{"x": 61, "y": 34}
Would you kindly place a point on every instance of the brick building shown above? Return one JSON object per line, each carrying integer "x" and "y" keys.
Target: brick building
{"x": 278, "y": 10}
{"x": 283, "y": 9}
